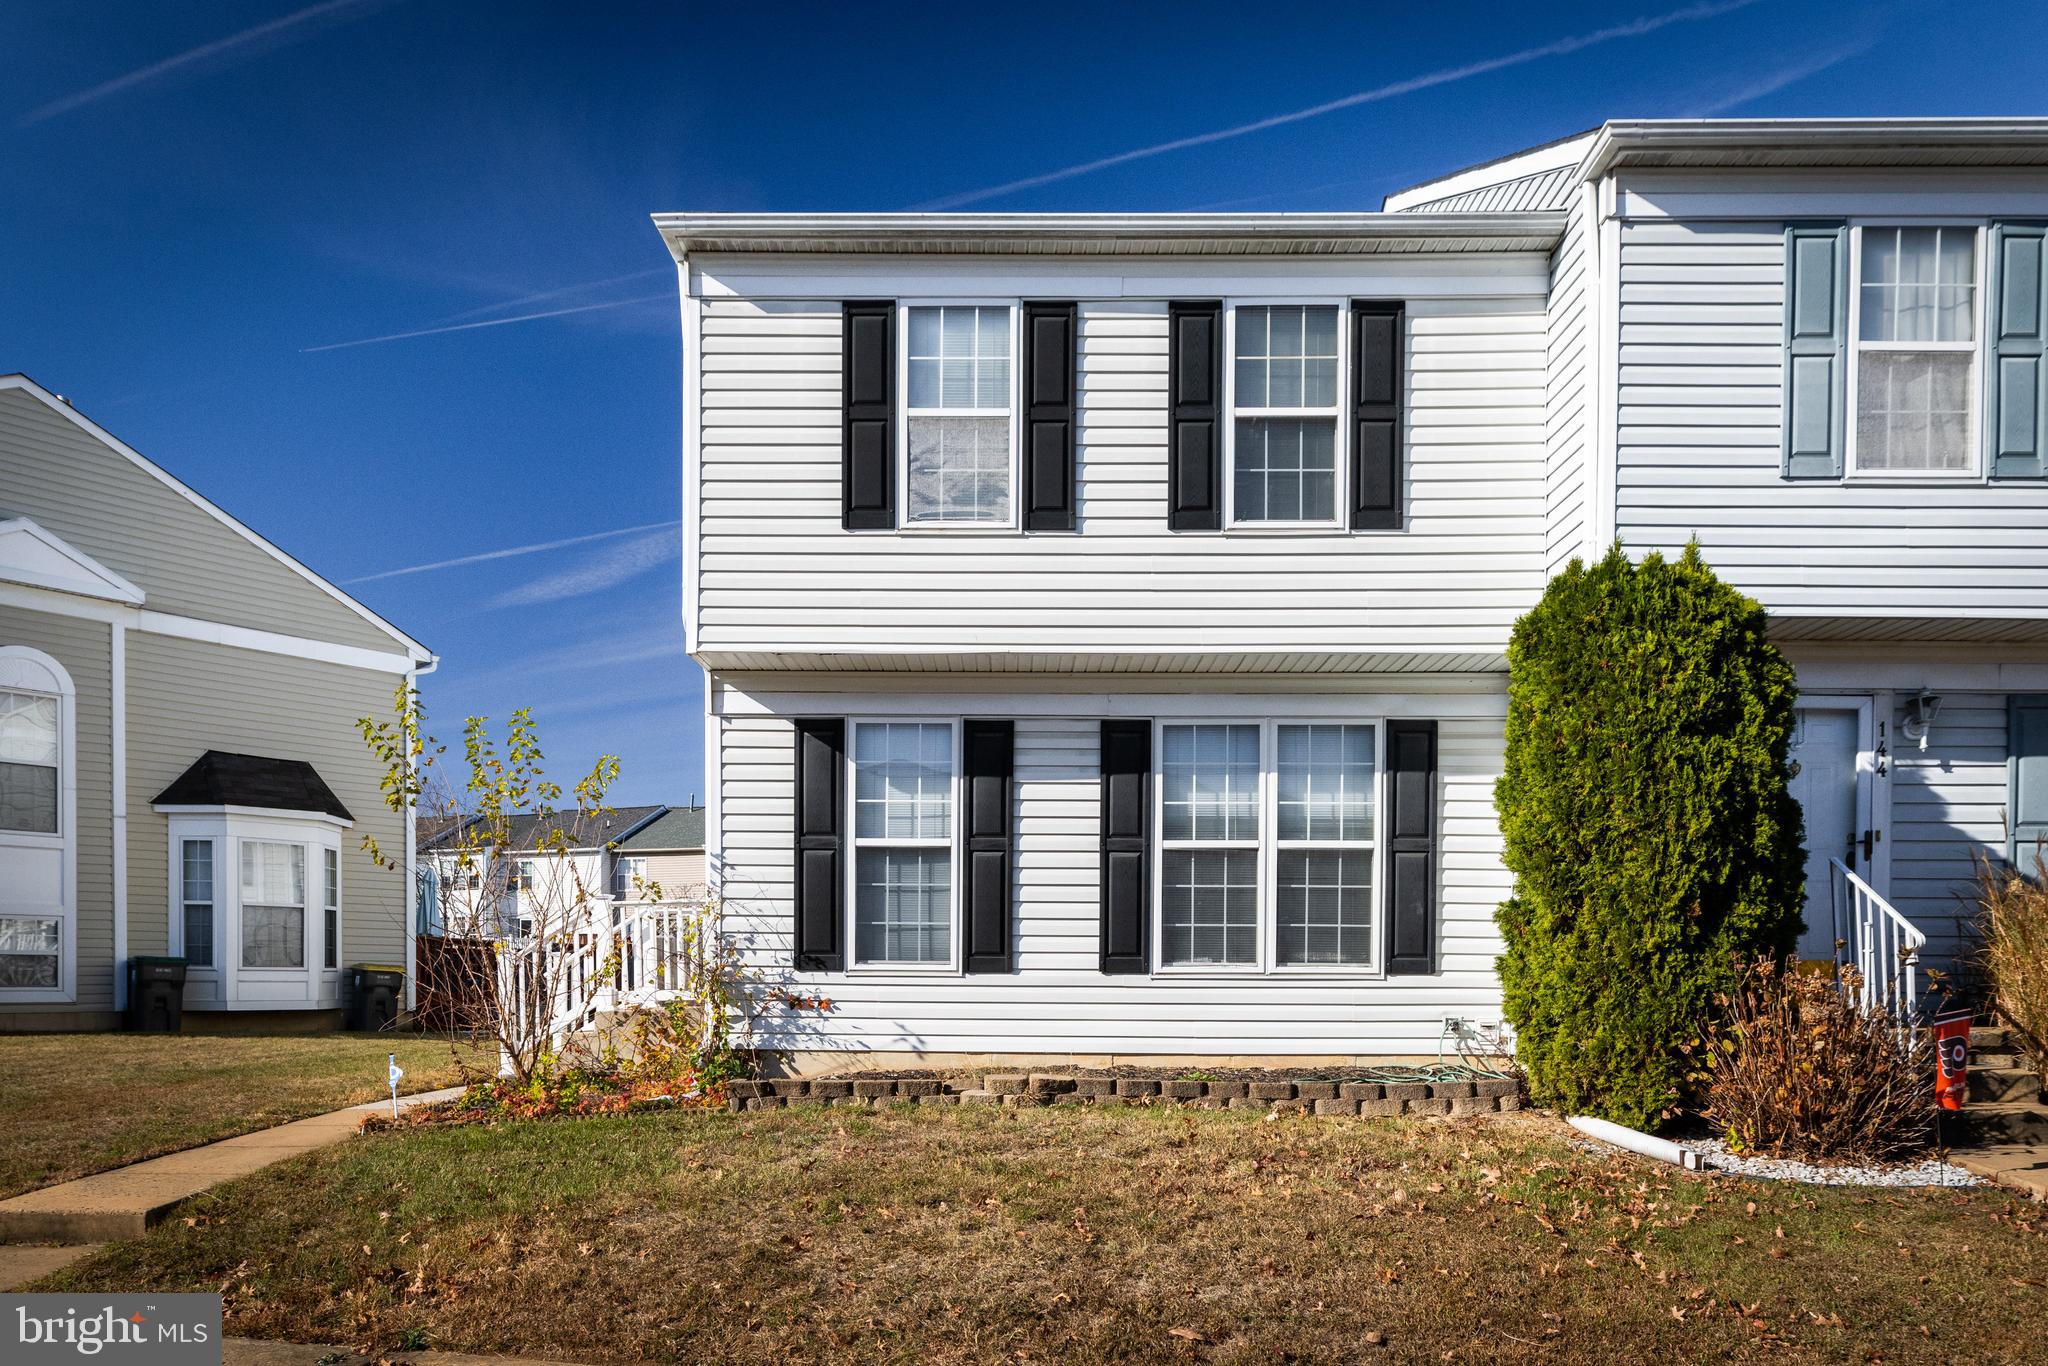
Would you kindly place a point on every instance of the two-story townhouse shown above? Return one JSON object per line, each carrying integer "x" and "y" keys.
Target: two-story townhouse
{"x": 1817, "y": 347}
{"x": 545, "y": 862}
{"x": 1105, "y": 618}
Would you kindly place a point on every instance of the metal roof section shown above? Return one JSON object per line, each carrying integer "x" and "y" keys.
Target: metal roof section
{"x": 1120, "y": 234}
{"x": 1534, "y": 179}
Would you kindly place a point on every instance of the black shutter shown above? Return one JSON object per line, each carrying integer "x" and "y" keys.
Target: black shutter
{"x": 1126, "y": 846}
{"x": 867, "y": 432}
{"x": 820, "y": 834}
{"x": 1412, "y": 846}
{"x": 988, "y": 750}
{"x": 1376, "y": 415}
{"x": 1048, "y": 389}
{"x": 1194, "y": 454}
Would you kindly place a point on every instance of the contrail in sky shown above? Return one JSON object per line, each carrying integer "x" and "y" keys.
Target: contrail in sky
{"x": 511, "y": 551}
{"x": 488, "y": 322}
{"x": 1635, "y": 28}
{"x": 233, "y": 42}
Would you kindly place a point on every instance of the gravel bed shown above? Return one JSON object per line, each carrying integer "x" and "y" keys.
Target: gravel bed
{"x": 1929, "y": 1171}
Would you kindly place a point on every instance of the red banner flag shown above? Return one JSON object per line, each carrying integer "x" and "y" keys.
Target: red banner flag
{"x": 1951, "y": 1058}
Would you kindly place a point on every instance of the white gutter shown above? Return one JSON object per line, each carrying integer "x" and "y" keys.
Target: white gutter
{"x": 1623, "y": 140}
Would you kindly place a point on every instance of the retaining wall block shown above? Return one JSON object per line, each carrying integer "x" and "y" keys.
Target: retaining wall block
{"x": 1336, "y": 1106}
{"x": 1180, "y": 1090}
{"x": 1473, "y": 1105}
{"x": 1429, "y": 1107}
{"x": 1407, "y": 1090}
{"x": 1316, "y": 1090}
{"x": 1226, "y": 1090}
{"x": 1136, "y": 1086}
{"x": 832, "y": 1090}
{"x": 1272, "y": 1090}
{"x": 1096, "y": 1087}
{"x": 869, "y": 1090}
{"x": 1360, "y": 1090}
{"x": 1050, "y": 1084}
{"x": 1006, "y": 1083}
{"x": 1379, "y": 1109}
{"x": 919, "y": 1086}
{"x": 1502, "y": 1086}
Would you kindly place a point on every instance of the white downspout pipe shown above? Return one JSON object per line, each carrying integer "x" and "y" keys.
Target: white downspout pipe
{"x": 1621, "y": 1136}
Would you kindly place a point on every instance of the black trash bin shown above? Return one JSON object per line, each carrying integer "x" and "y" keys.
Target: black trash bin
{"x": 374, "y": 992}
{"x": 156, "y": 994}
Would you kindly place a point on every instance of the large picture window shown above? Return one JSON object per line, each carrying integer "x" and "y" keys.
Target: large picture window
{"x": 958, "y": 415}
{"x": 273, "y": 904}
{"x": 903, "y": 777}
{"x": 1284, "y": 400}
{"x": 1267, "y": 845}
{"x": 1916, "y": 350}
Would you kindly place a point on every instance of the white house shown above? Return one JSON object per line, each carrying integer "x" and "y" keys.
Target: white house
{"x": 553, "y": 859}
{"x": 1105, "y": 615}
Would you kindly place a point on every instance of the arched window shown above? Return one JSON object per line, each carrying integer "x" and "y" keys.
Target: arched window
{"x": 38, "y": 826}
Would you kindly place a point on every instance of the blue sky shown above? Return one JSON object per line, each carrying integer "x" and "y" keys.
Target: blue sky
{"x": 221, "y": 219}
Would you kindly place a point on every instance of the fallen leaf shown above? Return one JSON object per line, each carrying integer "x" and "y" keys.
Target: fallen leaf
{"x": 1189, "y": 1334}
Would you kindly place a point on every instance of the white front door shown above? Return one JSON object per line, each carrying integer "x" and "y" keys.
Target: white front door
{"x": 1831, "y": 780}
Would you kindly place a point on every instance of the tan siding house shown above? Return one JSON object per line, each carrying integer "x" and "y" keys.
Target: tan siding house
{"x": 179, "y": 769}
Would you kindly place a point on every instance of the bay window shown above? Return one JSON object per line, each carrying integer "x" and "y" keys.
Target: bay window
{"x": 958, "y": 415}
{"x": 1916, "y": 336}
{"x": 273, "y": 904}
{"x": 1284, "y": 410}
{"x": 1267, "y": 845}
{"x": 902, "y": 865}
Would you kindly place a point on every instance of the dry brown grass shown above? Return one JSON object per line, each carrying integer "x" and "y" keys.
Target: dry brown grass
{"x": 929, "y": 1235}
{"x": 73, "y": 1104}
{"x": 2012, "y": 925}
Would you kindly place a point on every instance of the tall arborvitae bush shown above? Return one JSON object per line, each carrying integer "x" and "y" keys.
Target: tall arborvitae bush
{"x": 1644, "y": 807}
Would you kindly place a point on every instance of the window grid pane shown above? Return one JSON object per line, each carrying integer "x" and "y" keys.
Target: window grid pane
{"x": 1324, "y": 907}
{"x": 29, "y": 951}
{"x": 903, "y": 781}
{"x": 1211, "y": 906}
{"x": 903, "y": 906}
{"x": 1914, "y": 410}
{"x": 1286, "y": 356}
{"x": 960, "y": 358}
{"x": 1210, "y": 788}
{"x": 1325, "y": 783}
{"x": 196, "y": 863}
{"x": 330, "y": 915}
{"x": 959, "y": 469}
{"x": 1285, "y": 470}
{"x": 273, "y": 905}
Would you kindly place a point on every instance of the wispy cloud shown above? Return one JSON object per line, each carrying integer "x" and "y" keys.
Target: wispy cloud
{"x": 510, "y": 552}
{"x": 608, "y": 570}
{"x": 244, "y": 43}
{"x": 1635, "y": 28}
{"x": 1778, "y": 80}
{"x": 528, "y": 299}
{"x": 488, "y": 322}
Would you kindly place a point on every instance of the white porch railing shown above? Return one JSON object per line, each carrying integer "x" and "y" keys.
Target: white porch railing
{"x": 607, "y": 956}
{"x": 1883, "y": 945}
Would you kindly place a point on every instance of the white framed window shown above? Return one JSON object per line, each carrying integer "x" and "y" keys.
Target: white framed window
{"x": 38, "y": 827}
{"x": 1268, "y": 846}
{"x": 629, "y": 875}
{"x": 30, "y": 751}
{"x": 905, "y": 779}
{"x": 958, "y": 461}
{"x": 273, "y": 930}
{"x": 1285, "y": 434}
{"x": 1915, "y": 321}
{"x": 330, "y": 910}
{"x": 197, "y": 900}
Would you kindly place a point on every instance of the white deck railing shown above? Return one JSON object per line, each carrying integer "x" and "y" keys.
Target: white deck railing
{"x": 1883, "y": 945}
{"x": 608, "y": 956}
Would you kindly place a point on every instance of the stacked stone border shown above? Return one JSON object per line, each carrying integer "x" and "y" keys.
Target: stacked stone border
{"x": 1016, "y": 1089}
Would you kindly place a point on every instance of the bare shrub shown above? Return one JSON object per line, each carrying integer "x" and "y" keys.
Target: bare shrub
{"x": 1795, "y": 1069}
{"x": 2012, "y": 953}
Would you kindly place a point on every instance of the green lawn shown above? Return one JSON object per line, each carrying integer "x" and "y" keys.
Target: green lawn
{"x": 72, "y": 1104}
{"x": 1122, "y": 1234}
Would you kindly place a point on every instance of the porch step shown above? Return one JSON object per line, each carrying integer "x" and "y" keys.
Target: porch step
{"x": 1990, "y": 1039}
{"x": 2004, "y": 1123}
{"x": 2007, "y": 1085}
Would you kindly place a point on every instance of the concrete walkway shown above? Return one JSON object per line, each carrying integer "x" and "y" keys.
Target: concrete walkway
{"x": 123, "y": 1203}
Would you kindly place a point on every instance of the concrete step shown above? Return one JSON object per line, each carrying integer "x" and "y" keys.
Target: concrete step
{"x": 2022, "y": 1167}
{"x": 1990, "y": 1039}
{"x": 1999, "y": 1124}
{"x": 2010, "y": 1085}
{"x": 1996, "y": 1062}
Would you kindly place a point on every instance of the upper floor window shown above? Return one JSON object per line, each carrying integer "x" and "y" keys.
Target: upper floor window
{"x": 957, "y": 418}
{"x": 1284, "y": 397}
{"x": 1916, "y": 351}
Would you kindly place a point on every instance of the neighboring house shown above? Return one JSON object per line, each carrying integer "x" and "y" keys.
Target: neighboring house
{"x": 1105, "y": 615}
{"x": 666, "y": 853}
{"x": 180, "y": 771}
{"x": 547, "y": 858}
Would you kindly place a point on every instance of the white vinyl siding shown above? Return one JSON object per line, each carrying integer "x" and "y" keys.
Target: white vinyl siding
{"x": 777, "y": 575}
{"x": 1057, "y": 1001}
{"x": 1699, "y": 453}
{"x": 1568, "y": 396}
